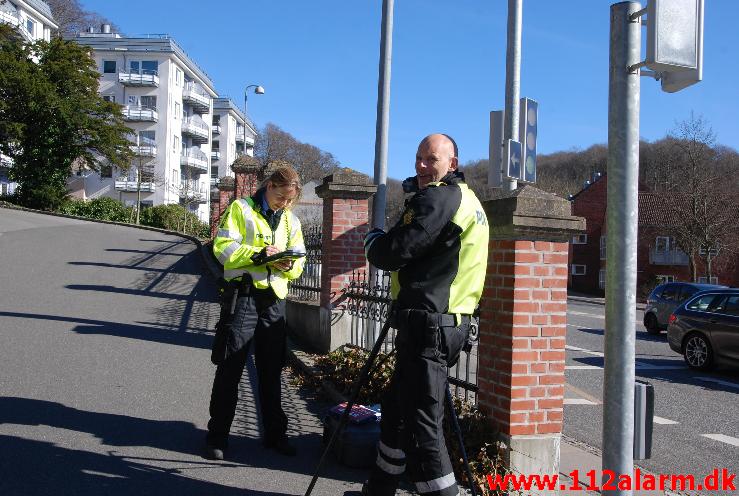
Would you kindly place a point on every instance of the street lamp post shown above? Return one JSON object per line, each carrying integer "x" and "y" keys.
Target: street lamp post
{"x": 259, "y": 90}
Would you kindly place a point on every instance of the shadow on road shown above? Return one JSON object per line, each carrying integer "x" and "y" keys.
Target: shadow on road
{"x": 197, "y": 339}
{"x": 39, "y": 468}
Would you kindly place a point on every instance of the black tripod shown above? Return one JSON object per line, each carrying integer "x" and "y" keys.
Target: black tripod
{"x": 358, "y": 383}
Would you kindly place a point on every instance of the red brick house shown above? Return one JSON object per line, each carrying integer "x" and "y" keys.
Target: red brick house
{"x": 658, "y": 257}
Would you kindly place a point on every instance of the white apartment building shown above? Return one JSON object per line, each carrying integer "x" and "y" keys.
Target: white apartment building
{"x": 233, "y": 134}
{"x": 168, "y": 101}
{"x": 34, "y": 21}
{"x": 32, "y": 18}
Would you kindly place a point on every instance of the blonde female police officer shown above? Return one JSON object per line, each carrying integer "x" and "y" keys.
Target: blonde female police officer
{"x": 438, "y": 255}
{"x": 251, "y": 229}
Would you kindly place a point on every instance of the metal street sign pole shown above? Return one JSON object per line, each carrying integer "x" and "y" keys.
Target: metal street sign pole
{"x": 383, "y": 114}
{"x": 512, "y": 76}
{"x": 621, "y": 222}
{"x": 381, "y": 145}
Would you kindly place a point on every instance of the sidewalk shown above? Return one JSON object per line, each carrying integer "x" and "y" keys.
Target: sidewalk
{"x": 583, "y": 298}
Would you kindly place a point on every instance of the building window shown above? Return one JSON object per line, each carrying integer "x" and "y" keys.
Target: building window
{"x": 704, "y": 280}
{"x": 108, "y": 66}
{"x": 106, "y": 171}
{"x": 177, "y": 110}
{"x": 602, "y": 278}
{"x": 578, "y": 270}
{"x": 664, "y": 279}
{"x": 177, "y": 76}
{"x": 147, "y": 137}
{"x": 133, "y": 100}
{"x": 30, "y": 26}
{"x": 603, "y": 247}
{"x": 712, "y": 251}
{"x": 176, "y": 144}
{"x": 662, "y": 244}
{"x": 580, "y": 239}
{"x": 149, "y": 102}
{"x": 109, "y": 98}
{"x": 216, "y": 146}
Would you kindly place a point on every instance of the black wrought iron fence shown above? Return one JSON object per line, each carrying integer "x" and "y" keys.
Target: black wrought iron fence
{"x": 308, "y": 286}
{"x": 368, "y": 304}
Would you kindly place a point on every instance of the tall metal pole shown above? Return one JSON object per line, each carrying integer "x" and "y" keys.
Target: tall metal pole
{"x": 138, "y": 178}
{"x": 621, "y": 222}
{"x": 512, "y": 77}
{"x": 381, "y": 132}
{"x": 383, "y": 114}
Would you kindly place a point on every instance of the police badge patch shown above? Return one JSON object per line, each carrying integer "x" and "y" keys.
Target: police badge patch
{"x": 408, "y": 216}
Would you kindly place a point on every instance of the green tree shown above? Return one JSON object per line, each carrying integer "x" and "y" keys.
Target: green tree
{"x": 51, "y": 115}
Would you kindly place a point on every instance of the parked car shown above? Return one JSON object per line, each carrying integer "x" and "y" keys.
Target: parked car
{"x": 705, "y": 329}
{"x": 665, "y": 298}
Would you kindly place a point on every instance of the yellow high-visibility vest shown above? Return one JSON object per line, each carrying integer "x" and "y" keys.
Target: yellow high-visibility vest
{"x": 244, "y": 232}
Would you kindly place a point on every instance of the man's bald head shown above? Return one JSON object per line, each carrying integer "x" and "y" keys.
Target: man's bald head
{"x": 435, "y": 158}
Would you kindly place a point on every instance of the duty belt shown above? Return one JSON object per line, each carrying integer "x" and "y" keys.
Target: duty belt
{"x": 402, "y": 318}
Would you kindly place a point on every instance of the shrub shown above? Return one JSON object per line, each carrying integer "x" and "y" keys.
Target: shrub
{"x": 174, "y": 218}
{"x": 98, "y": 208}
{"x": 46, "y": 197}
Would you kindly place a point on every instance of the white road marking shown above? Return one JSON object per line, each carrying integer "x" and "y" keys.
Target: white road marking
{"x": 583, "y": 367}
{"x": 719, "y": 381}
{"x": 664, "y": 421}
{"x": 595, "y": 315}
{"x": 578, "y": 401}
{"x": 583, "y": 350}
{"x": 722, "y": 438}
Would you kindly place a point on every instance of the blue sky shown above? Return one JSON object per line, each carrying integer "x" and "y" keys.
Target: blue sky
{"x": 318, "y": 61}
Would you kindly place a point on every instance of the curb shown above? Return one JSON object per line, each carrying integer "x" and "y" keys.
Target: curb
{"x": 598, "y": 301}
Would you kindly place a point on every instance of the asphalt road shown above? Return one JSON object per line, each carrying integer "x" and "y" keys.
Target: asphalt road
{"x": 105, "y": 374}
{"x": 697, "y": 413}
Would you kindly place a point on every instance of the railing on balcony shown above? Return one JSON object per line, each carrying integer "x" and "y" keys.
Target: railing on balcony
{"x": 10, "y": 18}
{"x": 145, "y": 148}
{"x": 240, "y": 135}
{"x": 128, "y": 185}
{"x": 195, "y": 158}
{"x": 216, "y": 129}
{"x": 144, "y": 78}
{"x": 215, "y": 155}
{"x": 195, "y": 95}
{"x": 193, "y": 191}
{"x": 671, "y": 257}
{"x": 139, "y": 113}
{"x": 213, "y": 181}
{"x": 197, "y": 129}
{"x": 5, "y": 161}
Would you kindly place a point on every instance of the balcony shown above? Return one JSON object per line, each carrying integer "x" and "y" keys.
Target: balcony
{"x": 197, "y": 129}
{"x": 145, "y": 78}
{"x": 195, "y": 95}
{"x": 6, "y": 161}
{"x": 672, "y": 257}
{"x": 145, "y": 148}
{"x": 132, "y": 186}
{"x": 195, "y": 158}
{"x": 193, "y": 191}
{"x": 215, "y": 155}
{"x": 216, "y": 129}
{"x": 213, "y": 181}
{"x": 137, "y": 113}
{"x": 240, "y": 135}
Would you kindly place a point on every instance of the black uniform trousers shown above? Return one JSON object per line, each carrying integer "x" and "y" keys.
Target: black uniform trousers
{"x": 412, "y": 436}
{"x": 259, "y": 318}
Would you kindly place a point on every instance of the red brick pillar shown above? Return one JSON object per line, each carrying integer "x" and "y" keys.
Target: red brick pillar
{"x": 523, "y": 325}
{"x": 345, "y": 195}
{"x": 249, "y": 174}
{"x": 220, "y": 199}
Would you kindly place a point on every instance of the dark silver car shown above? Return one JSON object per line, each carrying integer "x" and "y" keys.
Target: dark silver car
{"x": 705, "y": 329}
{"x": 665, "y": 298}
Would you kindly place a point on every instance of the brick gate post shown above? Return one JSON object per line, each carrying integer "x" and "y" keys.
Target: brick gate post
{"x": 220, "y": 199}
{"x": 249, "y": 173}
{"x": 345, "y": 195}
{"x": 523, "y": 325}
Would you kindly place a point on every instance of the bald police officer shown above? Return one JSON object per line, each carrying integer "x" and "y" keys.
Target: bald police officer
{"x": 437, "y": 253}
